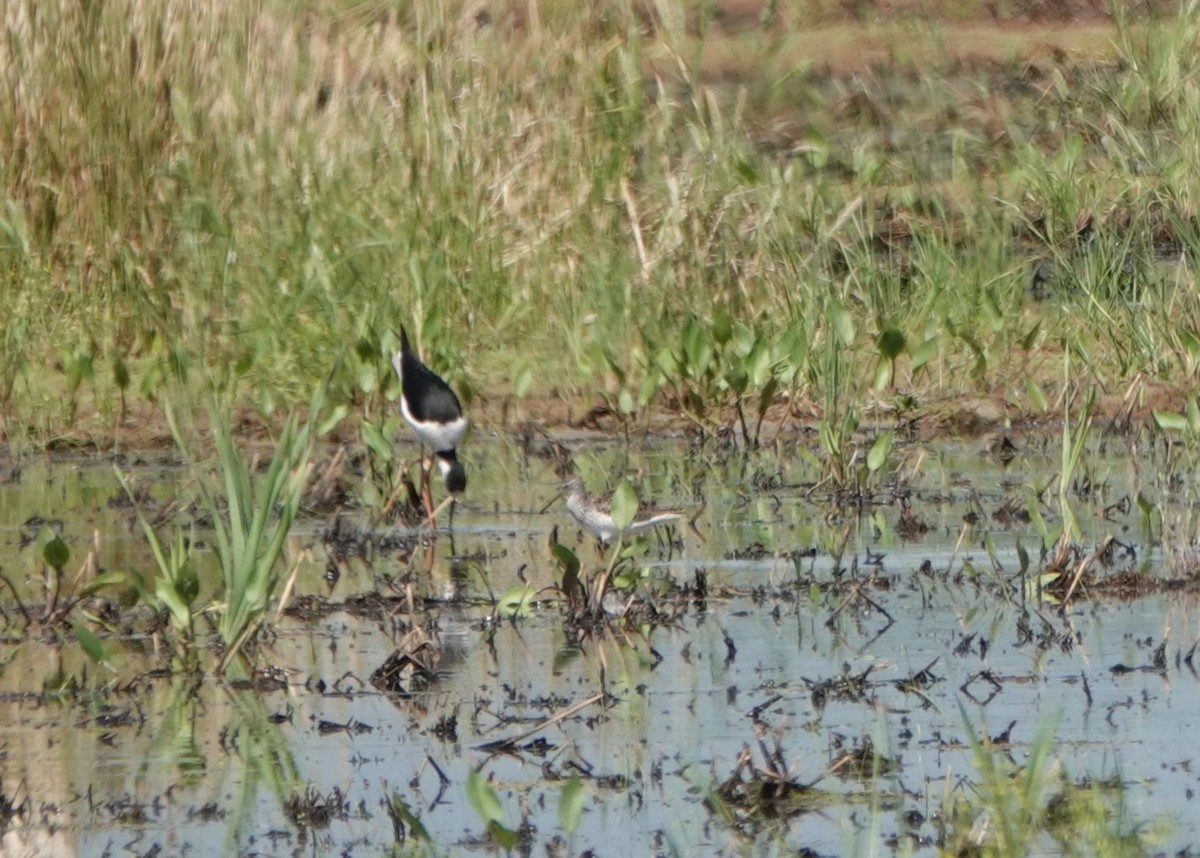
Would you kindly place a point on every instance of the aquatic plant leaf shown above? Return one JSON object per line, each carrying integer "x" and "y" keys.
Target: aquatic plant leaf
{"x": 1193, "y": 415}
{"x": 484, "y": 799}
{"x": 990, "y": 546}
{"x": 505, "y": 838}
{"x": 879, "y": 451}
{"x": 742, "y": 339}
{"x": 1036, "y": 394}
{"x": 120, "y": 373}
{"x": 843, "y": 323}
{"x": 515, "y": 601}
{"x": 523, "y": 382}
{"x": 759, "y": 364}
{"x": 1030, "y": 339}
{"x": 366, "y": 350}
{"x": 883, "y": 375}
{"x": 697, "y": 351}
{"x": 55, "y": 553}
{"x": 891, "y": 343}
{"x": 1191, "y": 342}
{"x": 106, "y": 579}
{"x": 93, "y": 647}
{"x": 373, "y": 438}
{"x": 399, "y": 810}
{"x": 924, "y": 353}
{"x": 649, "y": 389}
{"x": 625, "y": 401}
{"x": 624, "y": 505}
{"x": 722, "y": 327}
{"x": 667, "y": 362}
{"x": 766, "y": 397}
{"x": 737, "y": 379}
{"x": 1170, "y": 421}
{"x": 336, "y": 415}
{"x": 570, "y": 804}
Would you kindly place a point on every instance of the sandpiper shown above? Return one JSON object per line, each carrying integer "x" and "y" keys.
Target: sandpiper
{"x": 594, "y": 513}
{"x": 432, "y": 409}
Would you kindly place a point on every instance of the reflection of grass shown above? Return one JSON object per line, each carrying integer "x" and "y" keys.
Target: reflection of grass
{"x": 266, "y": 760}
{"x": 656, "y": 213}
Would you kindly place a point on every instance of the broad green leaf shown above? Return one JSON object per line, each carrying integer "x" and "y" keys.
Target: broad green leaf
{"x": 1036, "y": 393}
{"x": 514, "y": 601}
{"x": 523, "y": 383}
{"x": 624, "y": 505}
{"x": 55, "y": 553}
{"x": 374, "y": 439}
{"x": 366, "y": 350}
{"x": 625, "y": 401}
{"x": 797, "y": 350}
{"x": 105, "y": 579}
{"x": 505, "y": 838}
{"x": 336, "y": 415}
{"x": 758, "y": 364}
{"x": 649, "y": 389}
{"x": 667, "y": 362}
{"x": 401, "y": 811}
{"x": 484, "y": 799}
{"x": 879, "y": 451}
{"x": 924, "y": 353}
{"x": 883, "y": 375}
{"x": 1170, "y": 421}
{"x": 1030, "y": 339}
{"x": 843, "y": 323}
{"x": 1193, "y": 415}
{"x": 566, "y": 559}
{"x": 120, "y": 373}
{"x": 1190, "y": 342}
{"x": 570, "y": 804}
{"x": 737, "y": 379}
{"x": 742, "y": 339}
{"x": 92, "y": 645}
{"x": 367, "y": 377}
{"x": 891, "y": 343}
{"x": 722, "y": 327}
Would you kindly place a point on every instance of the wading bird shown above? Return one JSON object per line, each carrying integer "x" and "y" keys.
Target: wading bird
{"x": 594, "y": 513}
{"x": 432, "y": 409}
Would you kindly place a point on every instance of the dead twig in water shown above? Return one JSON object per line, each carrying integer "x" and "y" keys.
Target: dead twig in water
{"x": 510, "y": 743}
{"x": 1084, "y": 565}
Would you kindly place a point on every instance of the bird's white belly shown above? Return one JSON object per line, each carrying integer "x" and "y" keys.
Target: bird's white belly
{"x": 440, "y": 436}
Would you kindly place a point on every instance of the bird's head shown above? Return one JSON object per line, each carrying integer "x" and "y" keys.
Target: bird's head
{"x": 452, "y": 472}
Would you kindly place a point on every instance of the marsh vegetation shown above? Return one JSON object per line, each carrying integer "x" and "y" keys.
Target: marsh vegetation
{"x": 897, "y": 310}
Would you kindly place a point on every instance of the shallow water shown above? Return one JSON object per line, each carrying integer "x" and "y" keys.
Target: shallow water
{"x": 135, "y": 758}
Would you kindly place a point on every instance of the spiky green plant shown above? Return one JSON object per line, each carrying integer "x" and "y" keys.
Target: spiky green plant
{"x": 1012, "y": 809}
{"x": 177, "y": 583}
{"x": 251, "y": 517}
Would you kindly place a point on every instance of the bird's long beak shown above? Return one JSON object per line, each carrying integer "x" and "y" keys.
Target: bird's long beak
{"x": 552, "y": 502}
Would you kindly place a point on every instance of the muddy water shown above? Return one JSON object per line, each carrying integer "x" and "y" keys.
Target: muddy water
{"x": 803, "y": 595}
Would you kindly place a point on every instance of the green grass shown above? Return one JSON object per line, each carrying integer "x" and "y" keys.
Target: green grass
{"x": 251, "y": 518}
{"x": 1011, "y": 809}
{"x": 554, "y": 202}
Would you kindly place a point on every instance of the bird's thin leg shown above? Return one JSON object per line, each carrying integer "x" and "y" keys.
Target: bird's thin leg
{"x": 426, "y": 494}
{"x": 448, "y": 501}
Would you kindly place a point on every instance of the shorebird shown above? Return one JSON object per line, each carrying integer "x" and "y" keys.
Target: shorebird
{"x": 594, "y": 513}
{"x": 432, "y": 409}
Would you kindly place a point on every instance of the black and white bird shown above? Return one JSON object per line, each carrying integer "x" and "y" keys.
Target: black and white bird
{"x": 432, "y": 409}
